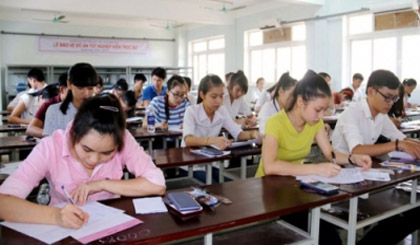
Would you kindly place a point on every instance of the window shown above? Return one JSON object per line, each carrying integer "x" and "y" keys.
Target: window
{"x": 395, "y": 50}
{"x": 207, "y": 56}
{"x": 269, "y": 58}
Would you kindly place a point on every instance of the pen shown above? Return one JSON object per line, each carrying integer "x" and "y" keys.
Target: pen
{"x": 333, "y": 157}
{"x": 67, "y": 195}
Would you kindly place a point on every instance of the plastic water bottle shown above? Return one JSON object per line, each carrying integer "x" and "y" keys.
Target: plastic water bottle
{"x": 43, "y": 196}
{"x": 151, "y": 121}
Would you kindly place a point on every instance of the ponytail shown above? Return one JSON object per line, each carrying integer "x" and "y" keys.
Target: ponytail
{"x": 65, "y": 104}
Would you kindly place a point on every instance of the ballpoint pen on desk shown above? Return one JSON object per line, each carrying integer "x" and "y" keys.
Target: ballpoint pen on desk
{"x": 68, "y": 195}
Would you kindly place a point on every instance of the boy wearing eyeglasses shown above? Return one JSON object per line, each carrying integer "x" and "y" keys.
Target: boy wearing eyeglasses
{"x": 361, "y": 124}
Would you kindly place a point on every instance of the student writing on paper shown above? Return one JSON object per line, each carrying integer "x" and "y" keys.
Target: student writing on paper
{"x": 290, "y": 133}
{"x": 397, "y": 112}
{"x": 281, "y": 96}
{"x": 87, "y": 170}
{"x": 156, "y": 88}
{"x": 119, "y": 88}
{"x": 128, "y": 103}
{"x": 169, "y": 109}
{"x": 288, "y": 138}
{"x": 357, "y": 130}
{"x": 409, "y": 86}
{"x": 234, "y": 102}
{"x": 203, "y": 122}
{"x": 29, "y": 102}
{"x": 81, "y": 81}
{"x": 361, "y": 124}
{"x": 36, "y": 126}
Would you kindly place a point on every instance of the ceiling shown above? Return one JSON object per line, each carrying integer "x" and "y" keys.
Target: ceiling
{"x": 167, "y": 14}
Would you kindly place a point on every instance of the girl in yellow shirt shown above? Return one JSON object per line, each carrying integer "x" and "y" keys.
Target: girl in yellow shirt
{"x": 290, "y": 133}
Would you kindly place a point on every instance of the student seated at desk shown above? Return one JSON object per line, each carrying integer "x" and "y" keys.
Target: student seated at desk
{"x": 409, "y": 86}
{"x": 361, "y": 124}
{"x": 119, "y": 88}
{"x": 128, "y": 103}
{"x": 234, "y": 102}
{"x": 29, "y": 102}
{"x": 331, "y": 106}
{"x": 289, "y": 135}
{"x": 12, "y": 104}
{"x": 284, "y": 88}
{"x": 139, "y": 80}
{"x": 203, "y": 122}
{"x": 397, "y": 111}
{"x": 156, "y": 88}
{"x": 190, "y": 96}
{"x": 81, "y": 80}
{"x": 169, "y": 110}
{"x": 288, "y": 138}
{"x": 356, "y": 132}
{"x": 343, "y": 97}
{"x": 37, "y": 123}
{"x": 87, "y": 170}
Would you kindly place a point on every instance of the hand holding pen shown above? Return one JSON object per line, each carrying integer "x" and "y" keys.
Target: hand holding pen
{"x": 70, "y": 216}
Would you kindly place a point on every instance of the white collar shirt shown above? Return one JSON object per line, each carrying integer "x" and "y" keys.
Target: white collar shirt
{"x": 238, "y": 106}
{"x": 356, "y": 126}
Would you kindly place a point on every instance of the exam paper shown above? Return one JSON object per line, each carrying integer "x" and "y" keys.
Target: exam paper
{"x": 148, "y": 205}
{"x": 103, "y": 221}
{"x": 9, "y": 168}
{"x": 350, "y": 176}
{"x": 240, "y": 143}
{"x": 199, "y": 152}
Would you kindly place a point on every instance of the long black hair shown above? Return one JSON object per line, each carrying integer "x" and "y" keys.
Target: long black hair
{"x": 174, "y": 81}
{"x": 311, "y": 86}
{"x": 208, "y": 82}
{"x": 285, "y": 83}
{"x": 104, "y": 114}
{"x": 80, "y": 75}
{"x": 239, "y": 79}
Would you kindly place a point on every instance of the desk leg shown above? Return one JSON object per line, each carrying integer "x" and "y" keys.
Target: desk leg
{"x": 315, "y": 217}
{"x": 165, "y": 143}
{"x": 221, "y": 171}
{"x": 190, "y": 171}
{"x": 351, "y": 232}
{"x": 150, "y": 144}
{"x": 243, "y": 167}
{"x": 209, "y": 173}
{"x": 14, "y": 155}
{"x": 413, "y": 195}
{"x": 177, "y": 142}
{"x": 208, "y": 239}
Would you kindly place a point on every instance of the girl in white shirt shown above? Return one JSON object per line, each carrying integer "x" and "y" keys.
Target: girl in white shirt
{"x": 203, "y": 122}
{"x": 284, "y": 88}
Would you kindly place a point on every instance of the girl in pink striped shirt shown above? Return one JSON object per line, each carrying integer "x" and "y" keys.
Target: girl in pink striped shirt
{"x": 87, "y": 159}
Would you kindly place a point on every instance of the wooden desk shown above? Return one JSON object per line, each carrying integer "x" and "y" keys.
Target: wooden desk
{"x": 5, "y": 113}
{"x": 142, "y": 134}
{"x": 253, "y": 200}
{"x": 368, "y": 188}
{"x": 176, "y": 157}
{"x": 4, "y": 119}
{"x": 15, "y": 143}
{"x": 6, "y": 129}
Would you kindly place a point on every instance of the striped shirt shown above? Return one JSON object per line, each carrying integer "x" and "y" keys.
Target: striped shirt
{"x": 176, "y": 114}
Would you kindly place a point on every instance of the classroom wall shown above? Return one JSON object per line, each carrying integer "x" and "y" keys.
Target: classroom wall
{"x": 324, "y": 37}
{"x": 17, "y": 49}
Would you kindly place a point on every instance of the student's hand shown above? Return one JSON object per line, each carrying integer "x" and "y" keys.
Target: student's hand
{"x": 254, "y": 134}
{"x": 410, "y": 147}
{"x": 250, "y": 122}
{"x": 363, "y": 161}
{"x": 221, "y": 142}
{"x": 327, "y": 128}
{"x": 81, "y": 193}
{"x": 71, "y": 217}
{"x": 164, "y": 126}
{"x": 328, "y": 169}
{"x": 241, "y": 121}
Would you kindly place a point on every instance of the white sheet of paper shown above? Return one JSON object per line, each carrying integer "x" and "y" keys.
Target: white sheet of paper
{"x": 149, "y": 205}
{"x": 346, "y": 176}
{"x": 199, "y": 152}
{"x": 175, "y": 129}
{"x": 134, "y": 119}
{"x": 376, "y": 175}
{"x": 9, "y": 168}
{"x": 401, "y": 155}
{"x": 240, "y": 143}
{"x": 101, "y": 217}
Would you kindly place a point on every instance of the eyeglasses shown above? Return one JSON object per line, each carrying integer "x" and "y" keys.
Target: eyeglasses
{"x": 179, "y": 96}
{"x": 388, "y": 99}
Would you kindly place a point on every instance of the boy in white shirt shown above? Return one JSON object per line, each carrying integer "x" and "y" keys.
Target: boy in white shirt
{"x": 356, "y": 83}
{"x": 361, "y": 124}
